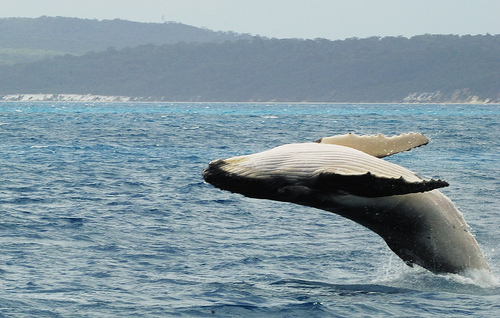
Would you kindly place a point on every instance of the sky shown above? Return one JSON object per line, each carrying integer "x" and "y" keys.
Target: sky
{"x": 308, "y": 19}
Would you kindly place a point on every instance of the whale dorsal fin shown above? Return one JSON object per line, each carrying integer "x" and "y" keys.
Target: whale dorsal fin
{"x": 377, "y": 145}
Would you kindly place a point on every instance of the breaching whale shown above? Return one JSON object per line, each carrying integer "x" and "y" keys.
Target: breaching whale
{"x": 345, "y": 175}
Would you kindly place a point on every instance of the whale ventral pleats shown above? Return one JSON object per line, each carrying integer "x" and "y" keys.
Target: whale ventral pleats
{"x": 324, "y": 167}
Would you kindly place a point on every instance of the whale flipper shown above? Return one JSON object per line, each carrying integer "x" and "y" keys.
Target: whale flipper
{"x": 378, "y": 145}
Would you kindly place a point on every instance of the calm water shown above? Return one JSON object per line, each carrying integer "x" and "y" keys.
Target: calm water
{"x": 105, "y": 214}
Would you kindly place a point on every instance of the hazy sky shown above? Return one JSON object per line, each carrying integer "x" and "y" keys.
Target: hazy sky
{"x": 332, "y": 19}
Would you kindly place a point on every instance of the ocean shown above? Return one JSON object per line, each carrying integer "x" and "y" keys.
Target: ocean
{"x": 105, "y": 213}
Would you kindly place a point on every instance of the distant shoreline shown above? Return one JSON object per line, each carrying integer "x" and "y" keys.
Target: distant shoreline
{"x": 90, "y": 98}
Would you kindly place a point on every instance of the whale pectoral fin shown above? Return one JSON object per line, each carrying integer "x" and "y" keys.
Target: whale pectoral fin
{"x": 301, "y": 194}
{"x": 378, "y": 145}
{"x": 371, "y": 186}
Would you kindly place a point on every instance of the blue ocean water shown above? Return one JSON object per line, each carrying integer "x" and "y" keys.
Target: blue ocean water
{"x": 105, "y": 213}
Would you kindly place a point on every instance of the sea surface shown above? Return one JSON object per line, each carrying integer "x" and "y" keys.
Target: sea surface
{"x": 104, "y": 213}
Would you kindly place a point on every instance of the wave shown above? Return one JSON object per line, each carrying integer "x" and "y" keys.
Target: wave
{"x": 342, "y": 289}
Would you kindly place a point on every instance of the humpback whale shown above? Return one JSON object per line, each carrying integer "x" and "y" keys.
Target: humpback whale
{"x": 345, "y": 175}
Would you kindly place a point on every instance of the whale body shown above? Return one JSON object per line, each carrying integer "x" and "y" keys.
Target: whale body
{"x": 345, "y": 175}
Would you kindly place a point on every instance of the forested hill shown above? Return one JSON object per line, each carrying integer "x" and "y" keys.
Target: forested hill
{"x": 27, "y": 39}
{"x": 427, "y": 68}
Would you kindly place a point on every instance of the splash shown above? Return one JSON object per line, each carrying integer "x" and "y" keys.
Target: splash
{"x": 472, "y": 281}
{"x": 481, "y": 278}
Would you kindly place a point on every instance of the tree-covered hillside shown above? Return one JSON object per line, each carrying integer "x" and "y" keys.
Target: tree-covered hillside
{"x": 26, "y": 39}
{"x": 425, "y": 68}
